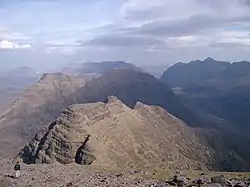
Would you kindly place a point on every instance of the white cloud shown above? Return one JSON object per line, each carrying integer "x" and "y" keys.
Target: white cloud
{"x": 5, "y": 44}
{"x": 23, "y": 46}
{"x": 236, "y": 37}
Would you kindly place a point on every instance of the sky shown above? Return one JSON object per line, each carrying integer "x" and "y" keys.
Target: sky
{"x": 46, "y": 34}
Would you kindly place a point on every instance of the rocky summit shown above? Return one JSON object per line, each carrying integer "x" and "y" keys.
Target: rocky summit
{"x": 110, "y": 134}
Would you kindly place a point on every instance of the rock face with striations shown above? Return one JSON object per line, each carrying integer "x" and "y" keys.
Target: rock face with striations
{"x": 111, "y": 134}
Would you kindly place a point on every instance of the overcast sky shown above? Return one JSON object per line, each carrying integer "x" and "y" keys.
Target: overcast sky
{"x": 47, "y": 33}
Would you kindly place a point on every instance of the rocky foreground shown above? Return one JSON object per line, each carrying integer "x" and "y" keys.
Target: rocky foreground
{"x": 81, "y": 176}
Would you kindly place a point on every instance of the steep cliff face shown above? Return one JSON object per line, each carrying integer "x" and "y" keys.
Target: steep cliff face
{"x": 112, "y": 134}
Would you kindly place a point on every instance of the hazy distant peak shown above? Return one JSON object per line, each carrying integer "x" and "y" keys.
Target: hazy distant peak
{"x": 209, "y": 59}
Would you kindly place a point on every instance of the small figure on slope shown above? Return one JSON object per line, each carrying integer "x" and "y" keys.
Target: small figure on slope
{"x": 17, "y": 168}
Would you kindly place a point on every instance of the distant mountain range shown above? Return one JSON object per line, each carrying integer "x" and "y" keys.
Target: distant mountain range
{"x": 217, "y": 89}
{"x": 208, "y": 72}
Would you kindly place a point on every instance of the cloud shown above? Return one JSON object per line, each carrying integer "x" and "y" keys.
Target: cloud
{"x": 122, "y": 40}
{"x": 167, "y": 31}
{"x": 8, "y": 34}
{"x": 160, "y": 9}
{"x": 69, "y": 47}
{"x": 180, "y": 27}
{"x": 227, "y": 45}
{"x": 180, "y": 17}
{"x": 5, "y": 44}
{"x": 166, "y": 24}
{"x": 165, "y": 19}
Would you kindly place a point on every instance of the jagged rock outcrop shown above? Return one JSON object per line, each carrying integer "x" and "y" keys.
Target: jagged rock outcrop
{"x": 111, "y": 134}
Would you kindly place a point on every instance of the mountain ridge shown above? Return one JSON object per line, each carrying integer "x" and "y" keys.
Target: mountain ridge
{"x": 114, "y": 135}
